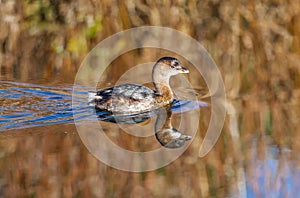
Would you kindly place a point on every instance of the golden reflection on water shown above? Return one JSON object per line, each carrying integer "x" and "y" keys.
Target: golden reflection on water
{"x": 255, "y": 45}
{"x": 249, "y": 159}
{"x": 256, "y": 155}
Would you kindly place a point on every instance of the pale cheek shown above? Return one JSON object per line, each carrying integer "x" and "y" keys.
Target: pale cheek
{"x": 173, "y": 72}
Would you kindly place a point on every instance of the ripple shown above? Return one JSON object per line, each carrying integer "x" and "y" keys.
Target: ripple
{"x": 28, "y": 105}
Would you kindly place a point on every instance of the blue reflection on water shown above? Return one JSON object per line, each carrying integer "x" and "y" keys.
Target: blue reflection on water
{"x": 274, "y": 175}
{"x": 28, "y": 105}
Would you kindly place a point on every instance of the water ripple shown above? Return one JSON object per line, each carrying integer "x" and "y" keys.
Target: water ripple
{"x": 27, "y": 105}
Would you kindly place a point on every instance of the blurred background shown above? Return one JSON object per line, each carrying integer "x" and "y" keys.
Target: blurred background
{"x": 256, "y": 45}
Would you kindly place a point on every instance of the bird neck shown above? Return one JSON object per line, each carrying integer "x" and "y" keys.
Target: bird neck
{"x": 164, "y": 93}
{"x": 163, "y": 90}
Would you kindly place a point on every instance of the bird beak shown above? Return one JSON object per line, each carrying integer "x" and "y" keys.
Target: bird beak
{"x": 183, "y": 70}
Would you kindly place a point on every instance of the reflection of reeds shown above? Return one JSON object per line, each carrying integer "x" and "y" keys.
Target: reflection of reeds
{"x": 255, "y": 45}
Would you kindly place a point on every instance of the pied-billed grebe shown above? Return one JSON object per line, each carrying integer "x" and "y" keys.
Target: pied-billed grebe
{"x": 131, "y": 98}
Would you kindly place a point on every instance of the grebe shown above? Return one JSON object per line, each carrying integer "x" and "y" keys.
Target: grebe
{"x": 131, "y": 98}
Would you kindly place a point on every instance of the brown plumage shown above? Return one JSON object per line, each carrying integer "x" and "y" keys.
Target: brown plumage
{"x": 131, "y": 98}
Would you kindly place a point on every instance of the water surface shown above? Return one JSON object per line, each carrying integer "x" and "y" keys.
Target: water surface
{"x": 41, "y": 151}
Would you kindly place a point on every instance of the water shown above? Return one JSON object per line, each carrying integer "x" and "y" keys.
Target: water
{"x": 28, "y": 105}
{"x": 33, "y": 105}
{"x": 41, "y": 151}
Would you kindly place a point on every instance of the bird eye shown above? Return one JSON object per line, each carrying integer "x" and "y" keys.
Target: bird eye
{"x": 174, "y": 64}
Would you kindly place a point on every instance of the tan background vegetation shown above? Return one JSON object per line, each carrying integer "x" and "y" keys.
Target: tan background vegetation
{"x": 256, "y": 45}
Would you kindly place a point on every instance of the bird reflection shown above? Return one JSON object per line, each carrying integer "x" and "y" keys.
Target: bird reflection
{"x": 166, "y": 135}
